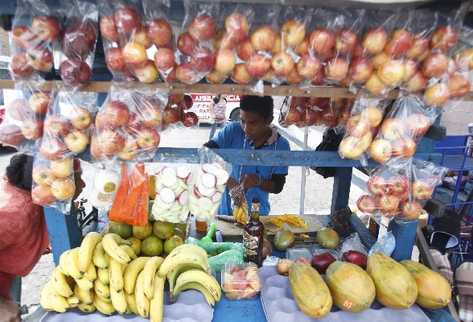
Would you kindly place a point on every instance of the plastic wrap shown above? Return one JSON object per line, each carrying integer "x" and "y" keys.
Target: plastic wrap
{"x": 196, "y": 51}
{"x": 241, "y": 281}
{"x": 22, "y": 125}
{"x": 53, "y": 182}
{"x": 128, "y": 123}
{"x": 178, "y": 113}
{"x": 101, "y": 186}
{"x": 35, "y": 32}
{"x": 171, "y": 203}
{"x": 68, "y": 124}
{"x": 79, "y": 39}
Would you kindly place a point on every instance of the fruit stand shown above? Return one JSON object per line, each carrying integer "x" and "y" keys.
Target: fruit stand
{"x": 419, "y": 73}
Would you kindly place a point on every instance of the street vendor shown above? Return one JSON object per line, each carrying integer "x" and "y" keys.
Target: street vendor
{"x": 253, "y": 132}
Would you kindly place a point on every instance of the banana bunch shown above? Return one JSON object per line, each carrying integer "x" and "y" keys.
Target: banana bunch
{"x": 240, "y": 214}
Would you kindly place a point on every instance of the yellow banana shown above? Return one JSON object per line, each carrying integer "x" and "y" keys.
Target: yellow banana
{"x": 60, "y": 284}
{"x": 84, "y": 283}
{"x": 190, "y": 254}
{"x": 198, "y": 287}
{"x": 67, "y": 266}
{"x": 101, "y": 289}
{"x": 102, "y": 274}
{"x": 85, "y": 296}
{"x": 149, "y": 272}
{"x": 131, "y": 303}
{"x": 197, "y": 276}
{"x": 142, "y": 302}
{"x": 103, "y": 307}
{"x": 156, "y": 310}
{"x": 104, "y": 299}
{"x": 91, "y": 273}
{"x": 52, "y": 301}
{"x": 73, "y": 301}
{"x": 179, "y": 269}
{"x": 86, "y": 250}
{"x": 136, "y": 245}
{"x": 129, "y": 250}
{"x": 111, "y": 244}
{"x": 99, "y": 259}
{"x": 86, "y": 308}
{"x": 131, "y": 273}
{"x": 74, "y": 263}
{"x": 118, "y": 300}
{"x": 116, "y": 275}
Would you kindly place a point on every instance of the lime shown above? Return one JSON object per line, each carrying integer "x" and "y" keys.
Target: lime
{"x": 171, "y": 243}
{"x": 152, "y": 246}
{"x": 136, "y": 245}
{"x": 163, "y": 229}
{"x": 141, "y": 232}
{"x": 121, "y": 229}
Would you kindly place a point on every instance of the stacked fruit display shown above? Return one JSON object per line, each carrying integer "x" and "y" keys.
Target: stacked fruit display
{"x": 107, "y": 274}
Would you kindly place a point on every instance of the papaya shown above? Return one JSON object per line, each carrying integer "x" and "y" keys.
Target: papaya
{"x": 351, "y": 287}
{"x": 310, "y": 292}
{"x": 434, "y": 291}
{"x": 283, "y": 239}
{"x": 395, "y": 286}
{"x": 327, "y": 238}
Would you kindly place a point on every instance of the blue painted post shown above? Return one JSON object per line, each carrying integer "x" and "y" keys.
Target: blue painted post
{"x": 405, "y": 235}
{"x": 341, "y": 188}
{"x": 64, "y": 233}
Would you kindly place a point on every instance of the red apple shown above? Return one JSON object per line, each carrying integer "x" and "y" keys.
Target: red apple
{"x": 146, "y": 73}
{"x": 258, "y": 65}
{"x": 20, "y": 66}
{"x": 240, "y": 74}
{"x": 374, "y": 85}
{"x": 141, "y": 36}
{"x": 444, "y": 38}
{"x": 361, "y": 70}
{"x": 63, "y": 189}
{"x": 127, "y": 20}
{"x": 113, "y": 115}
{"x": 237, "y": 25}
{"x": 75, "y": 72}
{"x": 203, "y": 59}
{"x": 337, "y": 69}
{"x": 464, "y": 59}
{"x": 45, "y": 27}
{"x": 203, "y": 27}
{"x": 346, "y": 42}
{"x": 160, "y": 32}
{"x": 393, "y": 129}
{"x": 108, "y": 28}
{"x": 358, "y": 51}
{"x": 215, "y": 77}
{"x": 11, "y": 135}
{"x": 294, "y": 78}
{"x": 303, "y": 48}
{"x": 416, "y": 83}
{"x": 79, "y": 39}
{"x": 322, "y": 43}
{"x": 56, "y": 125}
{"x": 164, "y": 59}
{"x": 411, "y": 210}
{"x": 80, "y": 118}
{"x": 435, "y": 65}
{"x": 151, "y": 116}
{"x": 22, "y": 37}
{"x": 419, "y": 48}
{"x": 186, "y": 44}
{"x": 319, "y": 77}
{"x": 228, "y": 41}
{"x": 186, "y": 74}
{"x": 147, "y": 138}
{"x": 134, "y": 53}
{"x": 404, "y": 148}
{"x": 375, "y": 40}
{"x": 418, "y": 124}
{"x": 380, "y": 59}
{"x": 377, "y": 185}
{"x": 76, "y": 141}
{"x": 410, "y": 69}
{"x": 422, "y": 190}
{"x": 367, "y": 204}
{"x": 41, "y": 195}
{"x": 190, "y": 119}
{"x": 352, "y": 147}
{"x": 401, "y": 41}
{"x": 32, "y": 129}
{"x": 42, "y": 175}
{"x": 52, "y": 148}
{"x": 114, "y": 59}
{"x": 356, "y": 126}
{"x": 40, "y": 59}
{"x": 263, "y": 38}
{"x": 399, "y": 185}
{"x": 437, "y": 94}
{"x": 389, "y": 204}
{"x": 111, "y": 142}
{"x": 308, "y": 66}
{"x": 392, "y": 72}
{"x": 458, "y": 85}
{"x": 130, "y": 150}
{"x": 282, "y": 64}
{"x": 188, "y": 102}
{"x": 293, "y": 33}
{"x": 373, "y": 115}
{"x": 171, "y": 115}
{"x": 245, "y": 50}
{"x": 39, "y": 102}
{"x": 380, "y": 150}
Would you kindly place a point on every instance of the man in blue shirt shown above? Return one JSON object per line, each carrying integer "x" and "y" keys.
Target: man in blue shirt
{"x": 253, "y": 132}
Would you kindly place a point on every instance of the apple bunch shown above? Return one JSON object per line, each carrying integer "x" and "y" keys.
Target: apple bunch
{"x": 361, "y": 127}
{"x": 404, "y": 125}
{"x": 178, "y": 111}
{"x": 53, "y": 181}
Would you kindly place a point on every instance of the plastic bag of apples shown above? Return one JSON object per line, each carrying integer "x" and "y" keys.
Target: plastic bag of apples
{"x": 78, "y": 42}
{"x": 402, "y": 128}
{"x": 67, "y": 126}
{"x": 22, "y": 126}
{"x": 178, "y": 112}
{"x": 128, "y": 123}
{"x": 53, "y": 182}
{"x": 36, "y": 30}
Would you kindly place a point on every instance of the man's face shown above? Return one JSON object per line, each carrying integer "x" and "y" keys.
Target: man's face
{"x": 253, "y": 124}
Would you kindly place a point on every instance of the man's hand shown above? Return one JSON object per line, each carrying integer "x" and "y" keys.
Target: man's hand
{"x": 250, "y": 180}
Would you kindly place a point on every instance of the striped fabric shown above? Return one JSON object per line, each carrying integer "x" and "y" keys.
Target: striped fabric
{"x": 466, "y": 308}
{"x": 443, "y": 264}
{"x": 464, "y": 279}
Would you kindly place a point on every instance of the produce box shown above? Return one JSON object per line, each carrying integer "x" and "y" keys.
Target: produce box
{"x": 279, "y": 305}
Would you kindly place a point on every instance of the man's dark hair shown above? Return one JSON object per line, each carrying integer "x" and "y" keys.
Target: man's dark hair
{"x": 19, "y": 171}
{"x": 262, "y": 105}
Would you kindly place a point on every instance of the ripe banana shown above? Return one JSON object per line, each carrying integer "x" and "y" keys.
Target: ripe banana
{"x": 142, "y": 302}
{"x": 84, "y": 283}
{"x": 189, "y": 255}
{"x": 86, "y": 308}
{"x": 131, "y": 273}
{"x": 73, "y": 301}
{"x": 74, "y": 263}
{"x": 116, "y": 275}
{"x": 67, "y": 265}
{"x": 103, "y": 307}
{"x": 111, "y": 244}
{"x": 104, "y": 299}
{"x": 99, "y": 259}
{"x": 91, "y": 273}
{"x": 118, "y": 300}
{"x": 131, "y": 303}
{"x": 136, "y": 245}
{"x": 129, "y": 250}
{"x": 60, "y": 284}
{"x": 101, "y": 289}
{"x": 102, "y": 274}
{"x": 86, "y": 250}
{"x": 85, "y": 296}
{"x": 198, "y": 287}
{"x": 156, "y": 310}
{"x": 241, "y": 215}
{"x": 52, "y": 301}
{"x": 149, "y": 272}
{"x": 197, "y": 276}
{"x": 179, "y": 269}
